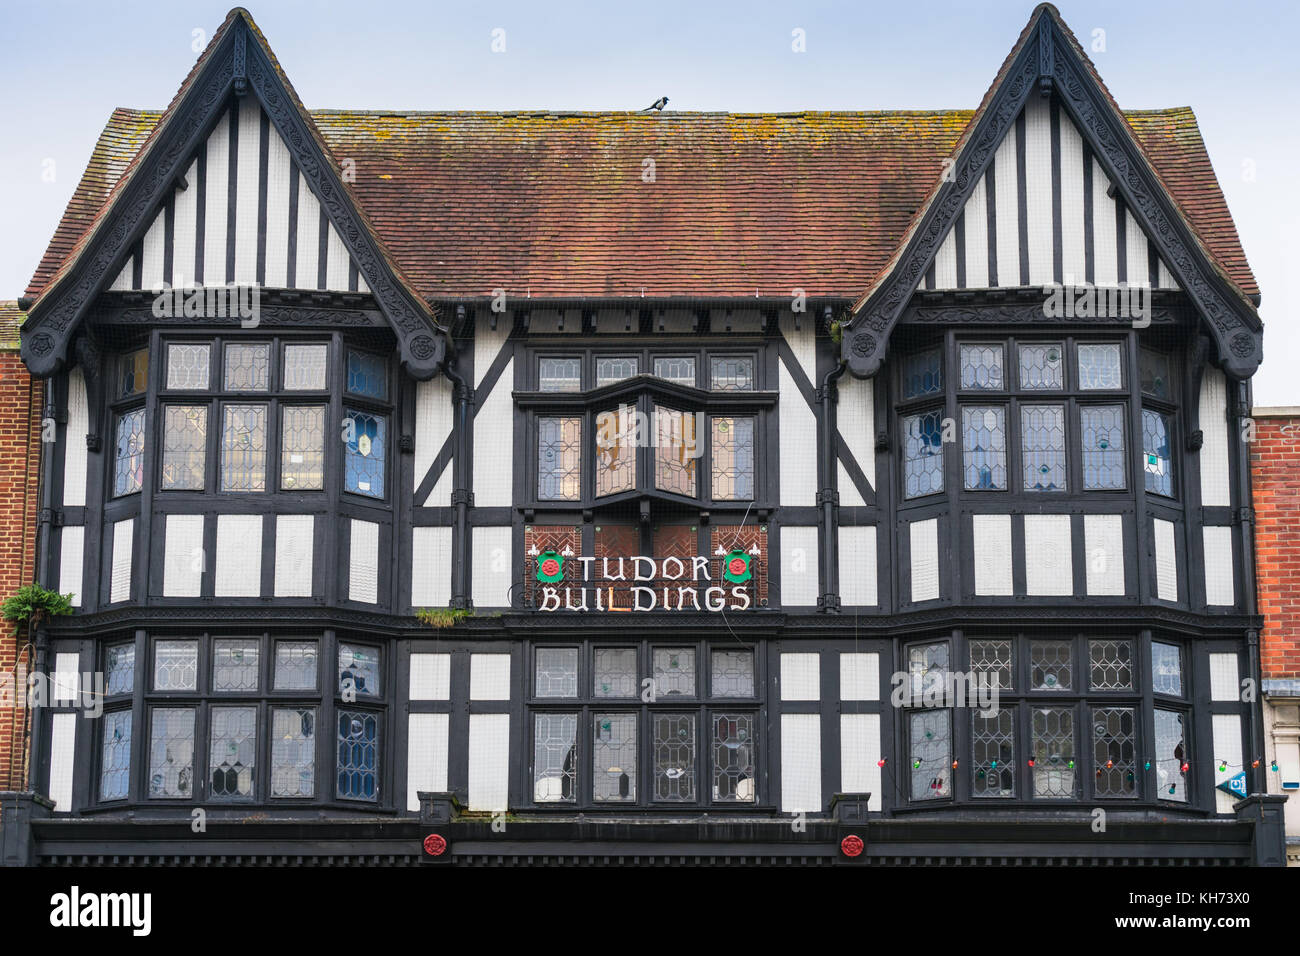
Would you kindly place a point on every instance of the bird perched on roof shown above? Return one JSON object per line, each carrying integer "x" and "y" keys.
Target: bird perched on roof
{"x": 657, "y": 105}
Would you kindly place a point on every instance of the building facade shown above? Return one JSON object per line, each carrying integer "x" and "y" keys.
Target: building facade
{"x": 472, "y": 488}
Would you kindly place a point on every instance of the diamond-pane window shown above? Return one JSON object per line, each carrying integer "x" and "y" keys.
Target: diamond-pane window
{"x": 674, "y": 756}
{"x": 175, "y": 665}
{"x": 555, "y": 758}
{"x": 188, "y": 364}
{"x": 367, "y": 375}
{"x": 359, "y": 669}
{"x": 1051, "y": 666}
{"x": 993, "y": 752}
{"x": 1157, "y": 453}
{"x": 364, "y": 454}
{"x": 133, "y": 377}
{"x": 302, "y": 448}
{"x": 614, "y": 369}
{"x": 295, "y": 665}
{"x": 243, "y": 448}
{"x": 185, "y": 447}
{"x": 128, "y": 466}
{"x": 171, "y": 752}
{"x": 119, "y": 664}
{"x": 1053, "y": 770}
{"x": 931, "y": 754}
{"x": 305, "y": 367}
{"x": 923, "y": 454}
{"x": 674, "y": 672}
{"x": 928, "y": 666}
{"x": 232, "y": 754}
{"x": 733, "y": 458}
{"x": 358, "y": 755}
{"x": 293, "y": 751}
{"x": 616, "y": 442}
{"x": 922, "y": 374}
{"x": 559, "y": 374}
{"x": 1166, "y": 669}
{"x": 732, "y": 673}
{"x": 984, "y": 448}
{"x": 614, "y": 758}
{"x": 1110, "y": 664}
{"x": 248, "y": 368}
{"x": 981, "y": 367}
{"x": 1114, "y": 751}
{"x": 1101, "y": 435}
{"x": 1042, "y": 441}
{"x": 733, "y": 758}
{"x": 1154, "y": 372}
{"x": 731, "y": 373}
{"x": 115, "y": 756}
{"x": 557, "y": 672}
{"x": 235, "y": 664}
{"x": 559, "y": 457}
{"x": 676, "y": 451}
{"x": 680, "y": 369}
{"x": 1099, "y": 366}
{"x": 1041, "y": 366}
{"x": 615, "y": 672}
{"x": 1171, "y": 756}
{"x": 992, "y": 657}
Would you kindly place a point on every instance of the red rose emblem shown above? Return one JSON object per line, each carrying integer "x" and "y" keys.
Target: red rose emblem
{"x": 852, "y": 846}
{"x": 435, "y": 845}
{"x": 550, "y": 567}
{"x": 736, "y": 566}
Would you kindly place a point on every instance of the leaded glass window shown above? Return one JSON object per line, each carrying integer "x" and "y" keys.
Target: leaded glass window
{"x": 1166, "y": 669}
{"x": 1114, "y": 751}
{"x": 248, "y": 368}
{"x": 293, "y": 751}
{"x": 1154, "y": 372}
{"x": 364, "y": 454}
{"x": 1101, "y": 435}
{"x": 1110, "y": 664}
{"x": 232, "y": 754}
{"x": 674, "y": 756}
{"x": 615, "y": 672}
{"x": 992, "y": 658}
{"x": 128, "y": 469}
{"x": 171, "y": 752}
{"x": 1041, "y": 367}
{"x": 732, "y": 673}
{"x": 555, "y": 759}
{"x": 557, "y": 672}
{"x": 243, "y": 448}
{"x": 928, "y": 665}
{"x": 610, "y": 369}
{"x": 922, "y": 374}
{"x": 931, "y": 754}
{"x": 359, "y": 670}
{"x": 133, "y": 377}
{"x": 358, "y": 755}
{"x": 923, "y": 454}
{"x": 1051, "y": 665}
{"x": 559, "y": 453}
{"x": 1053, "y": 770}
{"x": 1157, "y": 453}
{"x": 733, "y": 757}
{"x": 616, "y": 442}
{"x": 115, "y": 756}
{"x": 302, "y": 448}
{"x": 674, "y": 671}
{"x": 676, "y": 369}
{"x": 733, "y": 459}
{"x": 1099, "y": 366}
{"x": 981, "y": 367}
{"x": 185, "y": 447}
{"x": 1171, "y": 756}
{"x": 235, "y": 664}
{"x": 993, "y": 749}
{"x": 676, "y": 451}
{"x": 175, "y": 665}
{"x": 731, "y": 373}
{"x": 614, "y": 761}
{"x": 1042, "y": 440}
{"x": 295, "y": 665}
{"x": 984, "y": 448}
{"x": 559, "y": 374}
{"x": 188, "y": 365}
{"x": 367, "y": 375}
{"x": 305, "y": 367}
{"x": 119, "y": 663}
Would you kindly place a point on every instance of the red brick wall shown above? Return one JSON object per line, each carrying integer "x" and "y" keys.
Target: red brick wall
{"x": 20, "y": 446}
{"x": 1275, "y": 474}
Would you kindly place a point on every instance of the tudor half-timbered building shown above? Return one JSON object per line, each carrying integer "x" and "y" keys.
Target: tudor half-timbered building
{"x": 569, "y": 486}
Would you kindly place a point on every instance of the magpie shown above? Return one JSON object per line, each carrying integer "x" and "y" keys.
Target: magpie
{"x": 657, "y": 105}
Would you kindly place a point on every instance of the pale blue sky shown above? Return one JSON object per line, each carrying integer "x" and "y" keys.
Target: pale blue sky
{"x": 68, "y": 64}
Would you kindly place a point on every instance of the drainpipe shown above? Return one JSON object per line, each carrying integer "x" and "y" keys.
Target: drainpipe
{"x": 461, "y": 496}
{"x": 1246, "y": 517}
{"x": 40, "y": 568}
{"x": 828, "y": 498}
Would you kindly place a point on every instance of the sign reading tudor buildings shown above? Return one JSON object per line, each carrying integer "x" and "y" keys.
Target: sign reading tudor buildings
{"x": 871, "y": 453}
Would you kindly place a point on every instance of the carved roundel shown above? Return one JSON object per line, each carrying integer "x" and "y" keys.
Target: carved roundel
{"x": 852, "y": 846}
{"x": 435, "y": 845}
{"x": 42, "y": 343}
{"x": 1242, "y": 345}
{"x": 862, "y": 344}
{"x": 423, "y": 346}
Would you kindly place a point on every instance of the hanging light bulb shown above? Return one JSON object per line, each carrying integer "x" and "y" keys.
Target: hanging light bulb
{"x": 1223, "y": 766}
{"x": 1147, "y": 766}
{"x": 1185, "y": 767}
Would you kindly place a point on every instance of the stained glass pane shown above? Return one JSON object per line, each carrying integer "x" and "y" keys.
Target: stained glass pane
{"x": 1101, "y": 433}
{"x": 1171, "y": 756}
{"x": 1110, "y": 664}
{"x": 295, "y": 665}
{"x": 359, "y": 669}
{"x": 922, "y": 374}
{"x": 559, "y": 456}
{"x": 1051, "y": 666}
{"x": 674, "y": 671}
{"x": 931, "y": 754}
{"x": 302, "y": 448}
{"x": 293, "y": 751}
{"x": 674, "y": 753}
{"x": 367, "y": 375}
{"x": 364, "y": 453}
{"x": 616, "y": 441}
{"x": 1042, "y": 440}
{"x": 615, "y": 672}
{"x": 614, "y": 369}
{"x": 559, "y": 374}
{"x": 731, "y": 373}
{"x": 1053, "y": 769}
{"x": 928, "y": 666}
{"x": 133, "y": 377}
{"x": 115, "y": 756}
{"x": 358, "y": 755}
{"x": 1114, "y": 751}
{"x": 557, "y": 672}
{"x": 733, "y": 459}
{"x": 680, "y": 370}
{"x": 248, "y": 368}
{"x": 128, "y": 471}
{"x": 305, "y": 367}
{"x": 188, "y": 364}
{"x": 733, "y": 758}
{"x": 732, "y": 673}
{"x": 923, "y": 454}
{"x": 555, "y": 758}
{"x": 993, "y": 753}
{"x": 119, "y": 663}
{"x": 992, "y": 658}
{"x": 1157, "y": 453}
{"x": 1166, "y": 669}
{"x": 1041, "y": 366}
{"x": 171, "y": 752}
{"x": 232, "y": 756}
{"x": 981, "y": 367}
{"x": 676, "y": 451}
{"x": 243, "y": 448}
{"x": 984, "y": 448}
{"x": 614, "y": 758}
{"x": 1099, "y": 366}
{"x": 185, "y": 444}
{"x": 235, "y": 664}
{"x": 175, "y": 665}
{"x": 1154, "y": 369}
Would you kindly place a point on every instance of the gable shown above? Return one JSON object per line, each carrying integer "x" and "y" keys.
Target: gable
{"x": 245, "y": 214}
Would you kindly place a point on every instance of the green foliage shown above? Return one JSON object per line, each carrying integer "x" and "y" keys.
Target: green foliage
{"x": 441, "y": 617}
{"x": 31, "y": 603}
{"x": 836, "y": 331}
